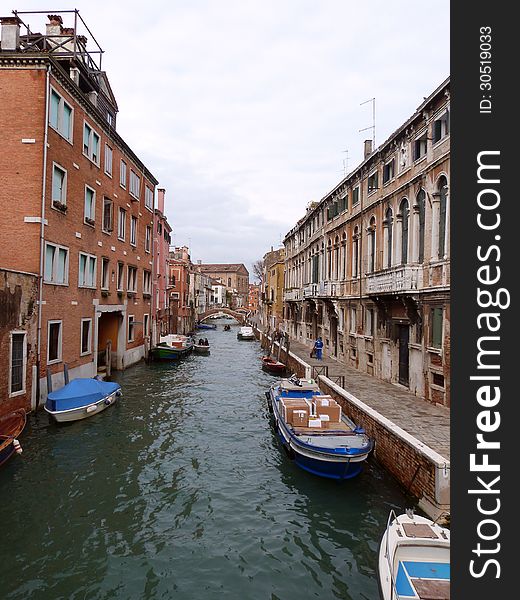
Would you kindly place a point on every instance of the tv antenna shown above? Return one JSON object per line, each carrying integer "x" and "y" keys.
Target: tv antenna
{"x": 345, "y": 163}
{"x": 373, "y": 126}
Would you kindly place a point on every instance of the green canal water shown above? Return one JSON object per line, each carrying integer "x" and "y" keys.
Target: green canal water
{"x": 181, "y": 490}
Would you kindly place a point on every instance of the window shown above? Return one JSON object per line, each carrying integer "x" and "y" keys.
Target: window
{"x": 148, "y": 239}
{"x": 352, "y": 320}
{"x": 421, "y": 205}
{"x": 372, "y": 182}
{"x": 436, "y": 327}
{"x": 419, "y": 146}
{"x": 121, "y": 224}
{"x": 90, "y": 144}
{"x": 135, "y": 184}
{"x": 17, "y": 363}
{"x": 90, "y": 204}
{"x": 355, "y": 196}
{"x": 108, "y": 211}
{"x": 369, "y": 322}
{"x": 53, "y": 342}
{"x": 131, "y": 328}
{"x": 147, "y": 282}
{"x": 355, "y": 253}
{"x": 443, "y": 193}
{"x": 404, "y": 231}
{"x": 372, "y": 245}
{"x": 389, "y": 171}
{"x": 56, "y": 264}
{"x": 86, "y": 336}
{"x": 122, "y": 174}
{"x": 148, "y": 197}
{"x": 59, "y": 187}
{"x": 61, "y": 116}
{"x": 108, "y": 160}
{"x": 87, "y": 270}
{"x": 438, "y": 379}
{"x": 105, "y": 273}
{"x": 343, "y": 203}
{"x": 389, "y": 236}
{"x": 146, "y": 325}
{"x": 441, "y": 127}
{"x": 132, "y": 279}
{"x": 120, "y": 276}
{"x": 133, "y": 230}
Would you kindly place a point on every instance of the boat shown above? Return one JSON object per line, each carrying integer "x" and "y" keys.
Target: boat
{"x": 11, "y": 426}
{"x": 314, "y": 432}
{"x": 199, "y": 348}
{"x": 227, "y": 327}
{"x": 414, "y": 559}
{"x": 205, "y": 326}
{"x": 271, "y": 365}
{"x": 246, "y": 333}
{"x": 173, "y": 346}
{"x": 81, "y": 398}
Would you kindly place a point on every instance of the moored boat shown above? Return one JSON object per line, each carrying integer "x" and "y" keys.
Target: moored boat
{"x": 246, "y": 333}
{"x": 271, "y": 365}
{"x": 172, "y": 347}
{"x": 414, "y": 559}
{"x": 227, "y": 327}
{"x": 205, "y": 326}
{"x": 11, "y": 426}
{"x": 81, "y": 398}
{"x": 199, "y": 348}
{"x": 314, "y": 432}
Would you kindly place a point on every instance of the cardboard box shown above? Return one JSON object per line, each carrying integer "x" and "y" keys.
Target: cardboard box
{"x": 315, "y": 423}
{"x": 300, "y": 418}
{"x": 290, "y": 405}
{"x": 333, "y": 410}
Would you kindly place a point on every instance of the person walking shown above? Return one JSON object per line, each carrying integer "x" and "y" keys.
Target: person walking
{"x": 318, "y": 348}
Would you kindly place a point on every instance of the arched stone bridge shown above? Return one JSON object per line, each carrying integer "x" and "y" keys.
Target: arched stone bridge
{"x": 239, "y": 315}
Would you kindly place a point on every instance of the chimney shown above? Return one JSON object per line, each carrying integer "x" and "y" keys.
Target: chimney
{"x": 160, "y": 199}
{"x": 368, "y": 148}
{"x": 54, "y": 26}
{"x": 10, "y": 33}
{"x": 74, "y": 75}
{"x": 92, "y": 96}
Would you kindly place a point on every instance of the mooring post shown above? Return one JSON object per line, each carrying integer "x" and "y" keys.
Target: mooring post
{"x": 66, "y": 373}
{"x": 49, "y": 382}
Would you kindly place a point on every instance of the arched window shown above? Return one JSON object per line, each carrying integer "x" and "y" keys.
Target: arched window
{"x": 421, "y": 203}
{"x": 372, "y": 245}
{"x": 443, "y": 193}
{"x": 404, "y": 228}
{"x": 355, "y": 253}
{"x": 336, "y": 258}
{"x": 389, "y": 236}
{"x": 344, "y": 266}
{"x": 329, "y": 260}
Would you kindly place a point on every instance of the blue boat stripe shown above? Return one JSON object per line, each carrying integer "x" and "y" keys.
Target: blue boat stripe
{"x": 428, "y": 570}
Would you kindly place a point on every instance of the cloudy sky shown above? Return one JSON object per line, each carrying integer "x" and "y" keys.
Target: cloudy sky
{"x": 243, "y": 109}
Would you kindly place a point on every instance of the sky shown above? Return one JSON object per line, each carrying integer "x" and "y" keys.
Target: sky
{"x": 244, "y": 110}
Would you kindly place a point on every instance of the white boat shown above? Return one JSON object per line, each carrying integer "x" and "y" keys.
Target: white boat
{"x": 246, "y": 333}
{"x": 414, "y": 559}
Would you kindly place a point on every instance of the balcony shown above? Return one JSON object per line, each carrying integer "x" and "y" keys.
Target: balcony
{"x": 402, "y": 279}
{"x": 293, "y": 295}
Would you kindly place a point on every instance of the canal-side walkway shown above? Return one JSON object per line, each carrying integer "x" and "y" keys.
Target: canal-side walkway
{"x": 429, "y": 423}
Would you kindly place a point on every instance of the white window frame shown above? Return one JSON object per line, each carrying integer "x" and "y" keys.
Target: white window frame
{"x": 148, "y": 198}
{"x": 60, "y": 117}
{"x": 52, "y": 280}
{"x": 63, "y": 196}
{"x": 135, "y": 185}
{"x": 373, "y": 174}
{"x": 89, "y": 258}
{"x": 89, "y": 351}
{"x": 133, "y": 230}
{"x": 352, "y": 321}
{"x": 120, "y": 281}
{"x": 60, "y": 342}
{"x": 24, "y": 363}
{"x": 90, "y": 147}
{"x": 442, "y": 115}
{"x": 123, "y": 173}
{"x": 146, "y": 324}
{"x": 423, "y": 134}
{"x": 392, "y": 176}
{"x": 109, "y": 160}
{"x": 131, "y": 280}
{"x": 131, "y": 319}
{"x": 105, "y": 274}
{"x": 147, "y": 289}
{"x": 148, "y": 239}
{"x": 358, "y": 188}
{"x": 119, "y": 236}
{"x": 107, "y": 200}
{"x": 93, "y": 205}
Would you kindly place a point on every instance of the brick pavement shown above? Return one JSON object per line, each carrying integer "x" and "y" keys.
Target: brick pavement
{"x": 429, "y": 423}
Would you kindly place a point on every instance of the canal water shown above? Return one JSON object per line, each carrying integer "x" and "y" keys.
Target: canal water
{"x": 181, "y": 490}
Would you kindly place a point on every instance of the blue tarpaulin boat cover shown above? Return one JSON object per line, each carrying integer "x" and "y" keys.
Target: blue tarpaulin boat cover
{"x": 80, "y": 392}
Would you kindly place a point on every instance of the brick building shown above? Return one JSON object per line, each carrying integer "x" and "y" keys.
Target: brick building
{"x": 368, "y": 266}
{"x": 78, "y": 202}
{"x": 252, "y": 303}
{"x": 272, "y": 294}
{"x": 235, "y": 277}
{"x": 181, "y": 308}
{"x": 161, "y": 241}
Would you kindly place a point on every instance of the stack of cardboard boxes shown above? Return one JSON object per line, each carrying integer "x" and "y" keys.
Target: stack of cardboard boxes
{"x": 320, "y": 412}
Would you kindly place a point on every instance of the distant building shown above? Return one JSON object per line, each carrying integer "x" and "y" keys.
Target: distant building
{"x": 77, "y": 208}
{"x": 181, "y": 304}
{"x": 252, "y": 301}
{"x": 272, "y": 294}
{"x": 234, "y": 277}
{"x": 162, "y": 241}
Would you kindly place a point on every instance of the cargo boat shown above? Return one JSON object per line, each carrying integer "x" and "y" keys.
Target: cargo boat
{"x": 172, "y": 347}
{"x": 314, "y": 432}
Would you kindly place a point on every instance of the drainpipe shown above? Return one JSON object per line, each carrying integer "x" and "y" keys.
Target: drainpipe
{"x": 42, "y": 233}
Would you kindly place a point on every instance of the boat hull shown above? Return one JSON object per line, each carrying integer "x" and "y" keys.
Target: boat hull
{"x": 11, "y": 426}
{"x": 242, "y": 337}
{"x": 170, "y": 354}
{"x": 275, "y": 367}
{"x": 201, "y": 349}
{"x": 83, "y": 412}
{"x": 331, "y": 465}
